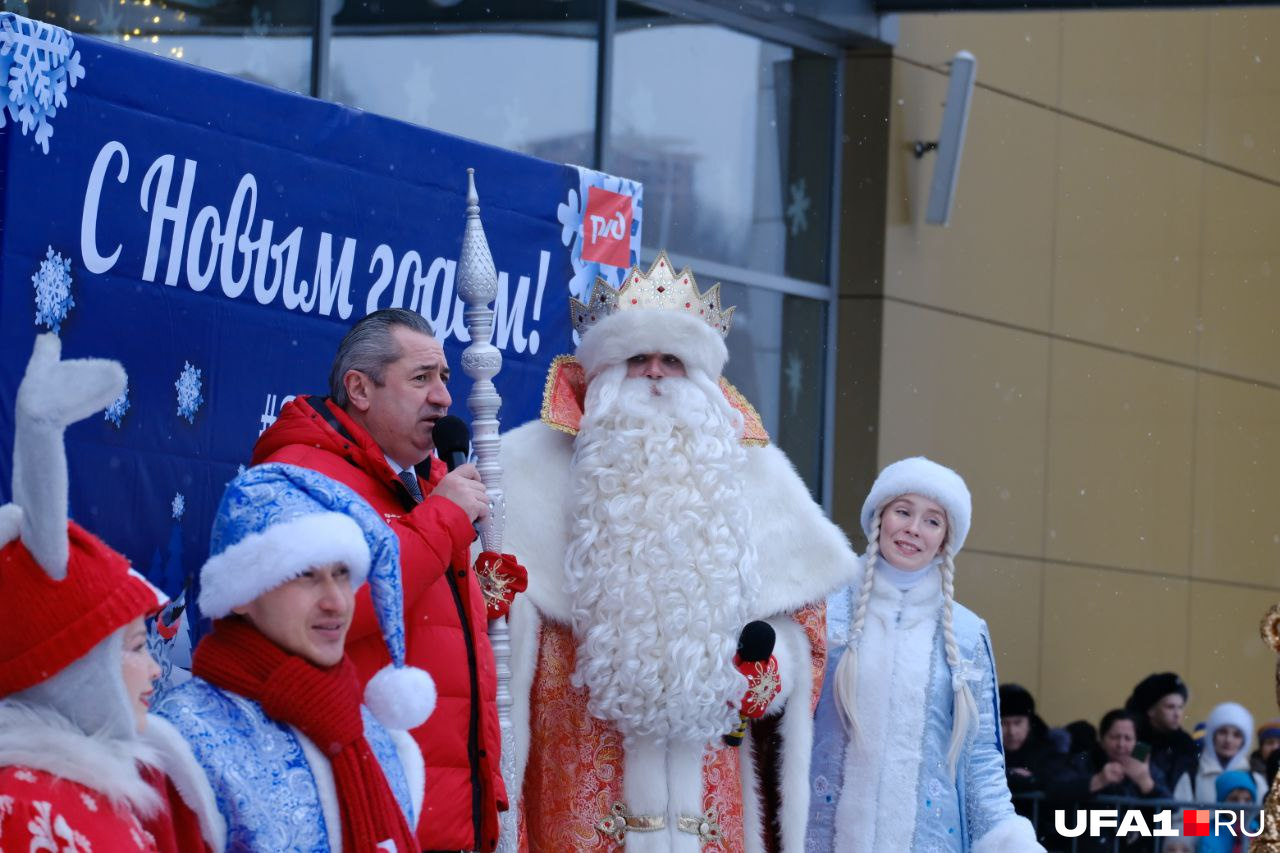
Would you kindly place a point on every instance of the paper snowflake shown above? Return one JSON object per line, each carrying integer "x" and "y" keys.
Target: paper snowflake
{"x": 188, "y": 386}
{"x": 53, "y": 290}
{"x": 39, "y": 63}
{"x": 179, "y": 505}
{"x": 115, "y": 412}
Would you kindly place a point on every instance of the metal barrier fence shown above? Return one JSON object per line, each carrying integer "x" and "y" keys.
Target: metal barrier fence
{"x": 1043, "y": 809}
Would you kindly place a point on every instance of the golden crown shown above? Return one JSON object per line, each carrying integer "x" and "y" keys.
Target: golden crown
{"x": 661, "y": 288}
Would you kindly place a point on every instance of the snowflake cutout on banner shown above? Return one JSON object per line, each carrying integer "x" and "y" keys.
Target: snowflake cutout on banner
{"x": 53, "y": 290}
{"x": 39, "y": 62}
{"x": 798, "y": 210}
{"x": 188, "y": 386}
{"x": 179, "y": 505}
{"x": 115, "y": 412}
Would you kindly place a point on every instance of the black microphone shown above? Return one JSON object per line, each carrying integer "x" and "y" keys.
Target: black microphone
{"x": 755, "y": 644}
{"x": 452, "y": 440}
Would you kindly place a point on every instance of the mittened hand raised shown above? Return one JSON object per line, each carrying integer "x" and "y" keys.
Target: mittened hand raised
{"x": 500, "y": 577}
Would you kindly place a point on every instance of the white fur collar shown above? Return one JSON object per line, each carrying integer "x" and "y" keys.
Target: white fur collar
{"x": 917, "y": 604}
{"x": 802, "y": 556}
{"x": 43, "y": 739}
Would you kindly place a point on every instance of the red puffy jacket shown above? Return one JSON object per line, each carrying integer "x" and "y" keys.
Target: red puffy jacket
{"x": 445, "y": 622}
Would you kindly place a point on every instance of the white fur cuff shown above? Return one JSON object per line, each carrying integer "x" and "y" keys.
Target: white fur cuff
{"x": 1011, "y": 835}
{"x": 645, "y": 330}
{"x": 262, "y": 561}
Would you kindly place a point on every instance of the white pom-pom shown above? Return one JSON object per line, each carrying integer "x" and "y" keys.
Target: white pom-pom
{"x": 401, "y": 698}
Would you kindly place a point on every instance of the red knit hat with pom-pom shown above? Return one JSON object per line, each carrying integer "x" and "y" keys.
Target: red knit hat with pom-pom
{"x": 46, "y": 624}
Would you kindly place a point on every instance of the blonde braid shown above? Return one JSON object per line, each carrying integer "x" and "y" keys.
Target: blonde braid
{"x": 846, "y": 687}
{"x": 966, "y": 708}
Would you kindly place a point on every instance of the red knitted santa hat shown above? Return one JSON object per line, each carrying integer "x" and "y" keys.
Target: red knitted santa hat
{"x": 62, "y": 591}
{"x": 46, "y": 624}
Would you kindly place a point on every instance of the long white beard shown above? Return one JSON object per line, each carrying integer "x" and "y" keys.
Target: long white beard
{"x": 660, "y": 570}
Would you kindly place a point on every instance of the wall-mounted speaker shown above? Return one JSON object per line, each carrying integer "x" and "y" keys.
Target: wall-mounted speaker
{"x": 950, "y": 144}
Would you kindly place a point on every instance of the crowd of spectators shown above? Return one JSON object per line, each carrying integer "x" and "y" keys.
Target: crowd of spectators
{"x": 1138, "y": 752}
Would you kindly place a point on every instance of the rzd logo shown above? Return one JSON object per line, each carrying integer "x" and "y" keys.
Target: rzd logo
{"x": 606, "y": 228}
{"x": 1197, "y": 822}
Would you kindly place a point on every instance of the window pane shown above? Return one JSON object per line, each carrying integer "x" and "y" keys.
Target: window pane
{"x": 268, "y": 43}
{"x": 732, "y": 137}
{"x": 529, "y": 87}
{"x": 776, "y": 359}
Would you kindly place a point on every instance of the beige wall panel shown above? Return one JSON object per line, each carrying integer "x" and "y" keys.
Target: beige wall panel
{"x": 1016, "y": 52}
{"x": 1119, "y": 481}
{"x": 1228, "y": 661}
{"x": 1128, "y": 234}
{"x": 1236, "y": 536}
{"x": 1143, "y": 72}
{"x": 1104, "y": 631}
{"x": 1243, "y": 107}
{"x": 970, "y": 395}
{"x": 1006, "y": 593}
{"x": 996, "y": 257}
{"x": 1241, "y": 291}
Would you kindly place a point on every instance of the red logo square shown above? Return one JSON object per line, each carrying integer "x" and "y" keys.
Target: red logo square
{"x": 1197, "y": 822}
{"x": 606, "y": 228}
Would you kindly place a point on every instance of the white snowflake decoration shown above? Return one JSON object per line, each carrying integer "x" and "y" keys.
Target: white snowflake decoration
{"x": 115, "y": 412}
{"x": 189, "y": 398}
{"x": 179, "y": 505}
{"x": 798, "y": 210}
{"x": 39, "y": 63}
{"x": 53, "y": 290}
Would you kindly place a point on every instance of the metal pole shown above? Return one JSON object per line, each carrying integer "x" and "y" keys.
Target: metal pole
{"x": 481, "y": 360}
{"x": 321, "y": 37}
{"x": 604, "y": 81}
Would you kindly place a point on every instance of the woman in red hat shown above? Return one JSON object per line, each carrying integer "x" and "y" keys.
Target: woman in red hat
{"x": 75, "y": 672}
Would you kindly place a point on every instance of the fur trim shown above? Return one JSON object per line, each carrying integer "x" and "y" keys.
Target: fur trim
{"x": 877, "y": 809}
{"x": 1229, "y": 714}
{"x": 644, "y": 790}
{"x": 802, "y": 557}
{"x": 619, "y": 336}
{"x": 401, "y": 698}
{"x": 10, "y": 523}
{"x": 42, "y": 739}
{"x": 684, "y": 792}
{"x": 752, "y": 811}
{"x": 262, "y": 561}
{"x": 1011, "y": 835}
{"x": 322, "y": 772}
{"x": 179, "y": 763}
{"x": 415, "y": 770}
{"x": 922, "y": 476}
{"x": 795, "y": 665}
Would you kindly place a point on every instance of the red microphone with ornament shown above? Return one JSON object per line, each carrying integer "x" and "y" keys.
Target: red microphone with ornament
{"x": 755, "y": 660}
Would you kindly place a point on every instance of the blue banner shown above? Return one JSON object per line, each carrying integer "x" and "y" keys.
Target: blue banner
{"x": 218, "y": 238}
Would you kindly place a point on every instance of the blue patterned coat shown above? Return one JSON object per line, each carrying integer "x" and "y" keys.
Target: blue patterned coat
{"x": 258, "y": 785}
{"x": 893, "y": 789}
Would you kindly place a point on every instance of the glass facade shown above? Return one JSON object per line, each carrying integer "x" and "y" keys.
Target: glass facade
{"x": 738, "y": 169}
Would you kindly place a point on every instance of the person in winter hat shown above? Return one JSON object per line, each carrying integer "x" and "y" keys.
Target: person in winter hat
{"x": 1159, "y": 702}
{"x": 75, "y": 672}
{"x": 275, "y": 697}
{"x": 1030, "y": 756}
{"x": 1268, "y": 743}
{"x": 1235, "y": 788}
{"x": 916, "y": 687}
{"x": 1228, "y": 732}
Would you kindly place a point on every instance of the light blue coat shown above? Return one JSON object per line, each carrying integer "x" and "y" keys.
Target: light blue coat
{"x": 897, "y": 792}
{"x": 258, "y": 785}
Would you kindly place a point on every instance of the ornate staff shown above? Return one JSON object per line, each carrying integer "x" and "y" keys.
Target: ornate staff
{"x": 481, "y": 360}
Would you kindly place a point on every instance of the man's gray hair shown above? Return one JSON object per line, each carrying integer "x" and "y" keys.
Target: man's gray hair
{"x": 369, "y": 348}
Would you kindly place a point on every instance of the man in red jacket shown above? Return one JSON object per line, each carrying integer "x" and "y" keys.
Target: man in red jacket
{"x": 388, "y": 387}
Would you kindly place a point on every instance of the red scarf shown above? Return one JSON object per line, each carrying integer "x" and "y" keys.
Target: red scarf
{"x": 323, "y": 704}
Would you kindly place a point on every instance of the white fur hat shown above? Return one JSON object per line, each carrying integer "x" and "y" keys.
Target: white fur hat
{"x": 619, "y": 336}
{"x": 921, "y": 476}
{"x": 1230, "y": 714}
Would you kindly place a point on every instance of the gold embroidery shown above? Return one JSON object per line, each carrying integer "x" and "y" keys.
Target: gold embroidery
{"x": 495, "y": 587}
{"x": 706, "y": 826}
